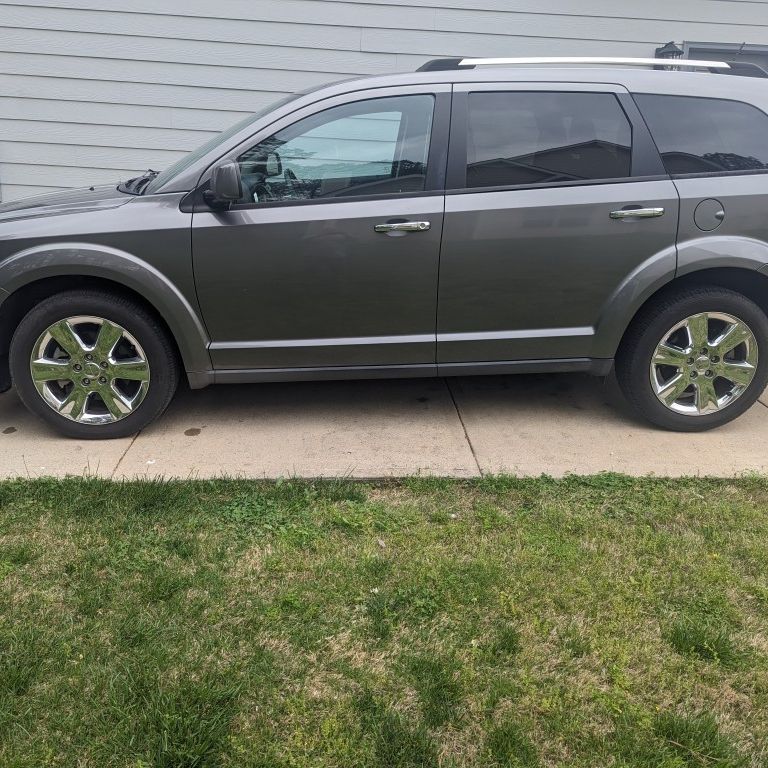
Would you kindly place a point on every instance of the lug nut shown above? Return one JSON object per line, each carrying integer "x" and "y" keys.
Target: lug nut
{"x": 77, "y": 367}
{"x": 709, "y": 374}
{"x": 102, "y": 379}
{"x": 104, "y": 364}
{"x": 694, "y": 374}
{"x": 89, "y": 357}
{"x": 691, "y": 361}
{"x": 86, "y": 382}
{"x": 704, "y": 352}
{"x": 714, "y": 359}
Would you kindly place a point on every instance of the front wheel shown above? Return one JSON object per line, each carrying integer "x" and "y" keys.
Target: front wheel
{"x": 93, "y": 364}
{"x": 696, "y": 360}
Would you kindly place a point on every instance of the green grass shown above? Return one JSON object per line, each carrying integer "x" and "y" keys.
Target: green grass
{"x": 596, "y": 621}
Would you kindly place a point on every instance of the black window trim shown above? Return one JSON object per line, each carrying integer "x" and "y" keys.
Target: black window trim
{"x": 437, "y": 154}
{"x": 703, "y": 174}
{"x": 645, "y": 163}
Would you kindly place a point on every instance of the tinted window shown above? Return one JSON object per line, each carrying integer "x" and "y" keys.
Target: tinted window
{"x": 696, "y": 135}
{"x": 373, "y": 147}
{"x": 534, "y": 138}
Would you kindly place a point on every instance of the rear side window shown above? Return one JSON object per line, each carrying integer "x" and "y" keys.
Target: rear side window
{"x": 525, "y": 137}
{"x": 698, "y": 135}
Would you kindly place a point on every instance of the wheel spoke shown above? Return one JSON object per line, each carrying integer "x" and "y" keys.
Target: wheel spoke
{"x": 706, "y": 397}
{"x": 737, "y": 373}
{"x": 734, "y": 335}
{"x": 109, "y": 335}
{"x": 50, "y": 370}
{"x": 115, "y": 403}
{"x": 675, "y": 387}
{"x": 698, "y": 330}
{"x": 64, "y": 335}
{"x": 130, "y": 370}
{"x": 78, "y": 399}
{"x": 668, "y": 355}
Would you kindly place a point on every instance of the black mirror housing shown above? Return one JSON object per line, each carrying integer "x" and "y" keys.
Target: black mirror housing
{"x": 226, "y": 186}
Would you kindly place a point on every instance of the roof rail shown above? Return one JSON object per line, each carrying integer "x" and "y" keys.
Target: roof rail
{"x": 436, "y": 65}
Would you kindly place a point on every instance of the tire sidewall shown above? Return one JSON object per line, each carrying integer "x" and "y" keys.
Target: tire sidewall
{"x": 725, "y": 301}
{"x": 134, "y": 319}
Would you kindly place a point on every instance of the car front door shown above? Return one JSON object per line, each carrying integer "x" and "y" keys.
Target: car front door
{"x": 330, "y": 259}
{"x": 555, "y": 196}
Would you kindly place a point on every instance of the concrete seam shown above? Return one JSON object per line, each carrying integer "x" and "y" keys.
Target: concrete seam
{"x": 123, "y": 455}
{"x": 463, "y": 426}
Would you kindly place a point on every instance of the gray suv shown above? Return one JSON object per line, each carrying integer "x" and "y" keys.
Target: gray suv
{"x": 475, "y": 217}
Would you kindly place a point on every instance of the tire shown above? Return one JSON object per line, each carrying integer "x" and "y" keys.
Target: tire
{"x": 131, "y": 364}
{"x": 639, "y": 381}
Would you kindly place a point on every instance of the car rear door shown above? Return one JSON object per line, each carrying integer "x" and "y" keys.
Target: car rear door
{"x": 331, "y": 258}
{"x": 555, "y": 196}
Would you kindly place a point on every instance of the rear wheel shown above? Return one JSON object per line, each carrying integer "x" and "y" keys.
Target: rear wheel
{"x": 93, "y": 364}
{"x": 695, "y": 361}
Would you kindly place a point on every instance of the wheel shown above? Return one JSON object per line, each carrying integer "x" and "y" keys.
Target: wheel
{"x": 93, "y": 364}
{"x": 696, "y": 360}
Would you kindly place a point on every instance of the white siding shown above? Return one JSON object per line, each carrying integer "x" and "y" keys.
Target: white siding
{"x": 95, "y": 90}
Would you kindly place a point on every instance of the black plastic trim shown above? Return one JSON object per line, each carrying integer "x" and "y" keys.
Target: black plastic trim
{"x": 720, "y": 174}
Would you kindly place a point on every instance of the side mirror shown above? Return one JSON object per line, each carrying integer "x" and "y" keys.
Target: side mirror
{"x": 273, "y": 165}
{"x": 226, "y": 186}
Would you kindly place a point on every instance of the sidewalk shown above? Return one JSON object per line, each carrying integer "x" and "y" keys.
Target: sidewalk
{"x": 533, "y": 424}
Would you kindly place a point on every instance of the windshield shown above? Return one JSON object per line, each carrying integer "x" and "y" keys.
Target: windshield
{"x": 185, "y": 162}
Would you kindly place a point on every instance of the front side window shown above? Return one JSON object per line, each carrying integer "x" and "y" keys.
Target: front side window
{"x": 373, "y": 147}
{"x": 699, "y": 135}
{"x": 526, "y": 137}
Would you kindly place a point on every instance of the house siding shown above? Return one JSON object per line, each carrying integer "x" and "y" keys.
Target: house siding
{"x": 96, "y": 90}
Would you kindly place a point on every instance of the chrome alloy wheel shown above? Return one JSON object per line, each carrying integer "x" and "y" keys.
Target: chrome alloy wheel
{"x": 89, "y": 370}
{"x": 704, "y": 363}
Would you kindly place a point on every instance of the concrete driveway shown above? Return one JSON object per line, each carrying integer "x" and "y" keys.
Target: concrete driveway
{"x": 528, "y": 425}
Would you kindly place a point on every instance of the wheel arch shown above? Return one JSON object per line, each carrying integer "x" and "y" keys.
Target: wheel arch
{"x": 32, "y": 275}
{"x": 751, "y": 283}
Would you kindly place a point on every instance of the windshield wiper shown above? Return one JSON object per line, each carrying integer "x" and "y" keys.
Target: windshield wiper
{"x": 135, "y": 185}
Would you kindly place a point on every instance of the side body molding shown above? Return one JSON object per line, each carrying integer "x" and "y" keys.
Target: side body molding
{"x": 65, "y": 259}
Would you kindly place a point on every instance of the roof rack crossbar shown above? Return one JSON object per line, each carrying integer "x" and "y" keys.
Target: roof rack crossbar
{"x": 620, "y": 61}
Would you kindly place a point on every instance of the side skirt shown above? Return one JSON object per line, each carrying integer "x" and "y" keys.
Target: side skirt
{"x": 595, "y": 367}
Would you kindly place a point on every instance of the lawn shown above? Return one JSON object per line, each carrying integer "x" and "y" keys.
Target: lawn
{"x": 587, "y": 622}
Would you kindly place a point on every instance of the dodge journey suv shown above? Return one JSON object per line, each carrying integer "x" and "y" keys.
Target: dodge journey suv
{"x": 475, "y": 217}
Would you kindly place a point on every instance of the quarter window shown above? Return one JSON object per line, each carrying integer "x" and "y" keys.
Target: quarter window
{"x": 524, "y": 137}
{"x": 373, "y": 147}
{"x": 699, "y": 135}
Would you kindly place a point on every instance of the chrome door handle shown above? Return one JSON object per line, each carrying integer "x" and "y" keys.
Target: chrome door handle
{"x": 403, "y": 226}
{"x": 637, "y": 213}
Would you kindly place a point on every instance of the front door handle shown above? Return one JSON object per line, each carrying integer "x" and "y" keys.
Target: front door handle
{"x": 637, "y": 213}
{"x": 403, "y": 226}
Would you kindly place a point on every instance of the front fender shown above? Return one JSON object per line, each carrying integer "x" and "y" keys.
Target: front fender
{"x": 91, "y": 260}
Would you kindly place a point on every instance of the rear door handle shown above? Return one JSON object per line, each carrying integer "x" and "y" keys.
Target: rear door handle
{"x": 637, "y": 213}
{"x": 403, "y": 226}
